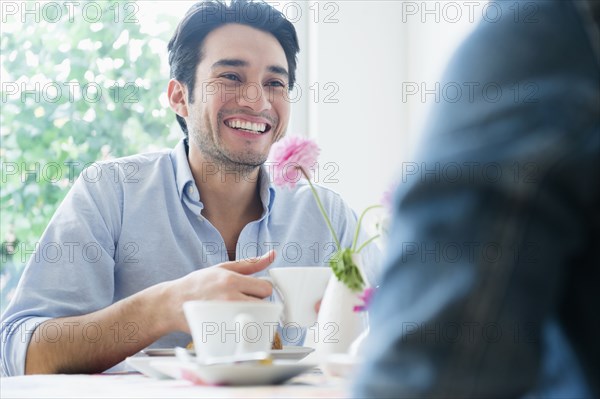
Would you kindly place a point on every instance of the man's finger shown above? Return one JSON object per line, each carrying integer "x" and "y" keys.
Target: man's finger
{"x": 251, "y": 265}
{"x": 244, "y": 297}
{"x": 254, "y": 287}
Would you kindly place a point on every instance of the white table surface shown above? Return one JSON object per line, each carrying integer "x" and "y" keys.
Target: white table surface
{"x": 312, "y": 384}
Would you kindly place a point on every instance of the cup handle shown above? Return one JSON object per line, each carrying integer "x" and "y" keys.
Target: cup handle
{"x": 270, "y": 280}
{"x": 279, "y": 293}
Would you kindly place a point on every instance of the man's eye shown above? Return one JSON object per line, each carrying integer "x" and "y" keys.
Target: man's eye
{"x": 231, "y": 76}
{"x": 276, "y": 83}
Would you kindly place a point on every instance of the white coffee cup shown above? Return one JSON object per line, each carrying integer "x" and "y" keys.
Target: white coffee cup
{"x": 299, "y": 288}
{"x": 231, "y": 328}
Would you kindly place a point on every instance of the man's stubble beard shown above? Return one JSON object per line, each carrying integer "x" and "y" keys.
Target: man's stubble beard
{"x": 206, "y": 138}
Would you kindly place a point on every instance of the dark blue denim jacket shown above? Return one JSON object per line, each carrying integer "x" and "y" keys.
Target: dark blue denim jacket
{"x": 491, "y": 281}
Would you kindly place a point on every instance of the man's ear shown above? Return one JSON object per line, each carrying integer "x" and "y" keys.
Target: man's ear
{"x": 177, "y": 94}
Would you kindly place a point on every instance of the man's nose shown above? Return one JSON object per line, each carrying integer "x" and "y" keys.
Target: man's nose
{"x": 254, "y": 96}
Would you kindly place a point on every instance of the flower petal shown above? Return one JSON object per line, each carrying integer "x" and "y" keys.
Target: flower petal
{"x": 290, "y": 154}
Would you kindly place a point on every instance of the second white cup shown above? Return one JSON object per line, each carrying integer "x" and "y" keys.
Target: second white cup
{"x": 300, "y": 288}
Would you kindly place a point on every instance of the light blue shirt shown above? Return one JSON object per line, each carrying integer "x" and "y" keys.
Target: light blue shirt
{"x": 133, "y": 222}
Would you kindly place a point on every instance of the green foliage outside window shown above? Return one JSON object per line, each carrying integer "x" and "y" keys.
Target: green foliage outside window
{"x": 93, "y": 92}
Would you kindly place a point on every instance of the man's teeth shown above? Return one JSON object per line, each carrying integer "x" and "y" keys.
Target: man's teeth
{"x": 250, "y": 126}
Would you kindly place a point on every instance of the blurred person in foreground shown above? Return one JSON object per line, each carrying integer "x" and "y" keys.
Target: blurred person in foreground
{"x": 491, "y": 286}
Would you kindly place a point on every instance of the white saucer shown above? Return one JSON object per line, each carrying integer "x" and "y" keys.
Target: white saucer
{"x": 340, "y": 365}
{"x": 287, "y": 353}
{"x": 163, "y": 352}
{"x": 230, "y": 374}
{"x": 142, "y": 364}
{"x": 291, "y": 352}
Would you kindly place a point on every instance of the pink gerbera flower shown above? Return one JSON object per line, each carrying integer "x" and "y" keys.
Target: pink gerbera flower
{"x": 292, "y": 158}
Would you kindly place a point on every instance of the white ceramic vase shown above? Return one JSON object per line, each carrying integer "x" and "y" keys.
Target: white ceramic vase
{"x": 357, "y": 348}
{"x": 338, "y": 325}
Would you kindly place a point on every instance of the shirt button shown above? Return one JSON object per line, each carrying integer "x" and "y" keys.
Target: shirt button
{"x": 191, "y": 190}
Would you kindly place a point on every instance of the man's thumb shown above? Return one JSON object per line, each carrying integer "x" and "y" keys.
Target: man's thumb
{"x": 251, "y": 265}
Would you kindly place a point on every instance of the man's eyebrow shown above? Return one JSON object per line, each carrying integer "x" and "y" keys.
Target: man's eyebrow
{"x": 279, "y": 70}
{"x": 227, "y": 62}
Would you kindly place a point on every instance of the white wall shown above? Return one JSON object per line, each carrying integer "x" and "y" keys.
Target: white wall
{"x": 374, "y": 48}
{"x": 365, "y": 133}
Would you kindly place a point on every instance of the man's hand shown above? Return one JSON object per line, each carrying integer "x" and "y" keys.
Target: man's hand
{"x": 153, "y": 312}
{"x": 229, "y": 281}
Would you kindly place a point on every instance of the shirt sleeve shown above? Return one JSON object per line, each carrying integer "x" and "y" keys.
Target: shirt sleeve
{"x": 71, "y": 270}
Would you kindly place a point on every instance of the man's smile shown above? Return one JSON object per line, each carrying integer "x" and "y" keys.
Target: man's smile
{"x": 248, "y": 124}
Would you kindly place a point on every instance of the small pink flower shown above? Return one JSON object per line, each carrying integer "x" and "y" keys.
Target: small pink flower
{"x": 291, "y": 154}
{"x": 387, "y": 199}
{"x": 366, "y": 298}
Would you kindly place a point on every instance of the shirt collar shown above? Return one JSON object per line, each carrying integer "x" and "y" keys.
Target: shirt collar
{"x": 184, "y": 177}
{"x": 266, "y": 190}
{"x": 181, "y": 166}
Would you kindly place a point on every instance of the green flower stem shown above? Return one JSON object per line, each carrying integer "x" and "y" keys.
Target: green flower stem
{"x": 337, "y": 242}
{"x": 367, "y": 243}
{"x": 362, "y": 215}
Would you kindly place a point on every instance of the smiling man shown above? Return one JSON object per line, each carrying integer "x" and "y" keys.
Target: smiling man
{"x": 195, "y": 222}
{"x": 238, "y": 110}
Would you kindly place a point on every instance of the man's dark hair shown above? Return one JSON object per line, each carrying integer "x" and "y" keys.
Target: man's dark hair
{"x": 185, "y": 47}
